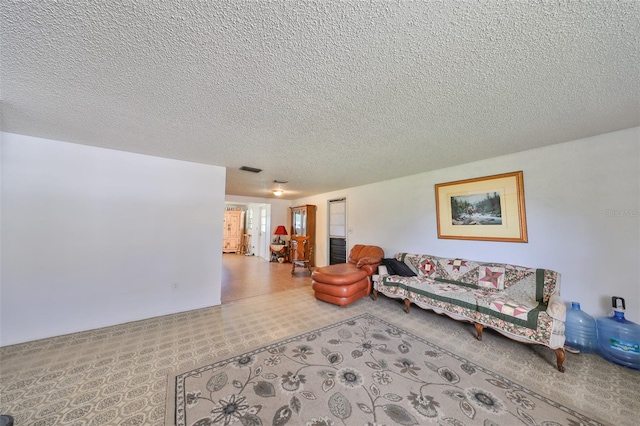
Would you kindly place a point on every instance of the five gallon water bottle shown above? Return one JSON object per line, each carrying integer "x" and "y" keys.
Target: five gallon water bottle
{"x": 580, "y": 330}
{"x": 618, "y": 338}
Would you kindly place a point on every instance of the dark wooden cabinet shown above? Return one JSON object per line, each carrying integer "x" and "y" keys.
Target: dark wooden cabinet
{"x": 303, "y": 224}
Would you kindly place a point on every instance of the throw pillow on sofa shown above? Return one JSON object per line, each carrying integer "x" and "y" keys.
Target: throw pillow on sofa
{"x": 396, "y": 267}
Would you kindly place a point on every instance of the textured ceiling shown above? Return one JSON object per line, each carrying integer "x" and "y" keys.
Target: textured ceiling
{"x": 325, "y": 94}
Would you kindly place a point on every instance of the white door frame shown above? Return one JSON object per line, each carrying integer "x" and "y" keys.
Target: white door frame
{"x": 264, "y": 225}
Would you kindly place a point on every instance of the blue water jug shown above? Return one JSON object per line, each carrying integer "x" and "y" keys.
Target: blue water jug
{"x": 618, "y": 338}
{"x": 580, "y": 330}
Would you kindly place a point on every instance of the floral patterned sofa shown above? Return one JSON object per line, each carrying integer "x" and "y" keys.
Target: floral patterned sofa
{"x": 519, "y": 302}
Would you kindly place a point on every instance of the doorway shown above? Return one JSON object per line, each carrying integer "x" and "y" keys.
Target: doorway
{"x": 255, "y": 275}
{"x": 256, "y": 223}
{"x": 337, "y": 231}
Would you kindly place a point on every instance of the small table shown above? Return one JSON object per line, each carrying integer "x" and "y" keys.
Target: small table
{"x": 279, "y": 251}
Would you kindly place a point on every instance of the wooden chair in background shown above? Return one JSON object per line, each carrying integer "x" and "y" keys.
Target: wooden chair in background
{"x": 245, "y": 246}
{"x": 300, "y": 252}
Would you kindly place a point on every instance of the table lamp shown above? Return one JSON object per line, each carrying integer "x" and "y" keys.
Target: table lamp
{"x": 280, "y": 230}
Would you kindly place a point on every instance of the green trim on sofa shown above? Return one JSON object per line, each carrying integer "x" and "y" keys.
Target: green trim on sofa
{"x": 425, "y": 293}
{"x": 540, "y": 285}
{"x": 456, "y": 302}
{"x": 392, "y": 283}
{"x": 442, "y": 280}
{"x": 531, "y": 321}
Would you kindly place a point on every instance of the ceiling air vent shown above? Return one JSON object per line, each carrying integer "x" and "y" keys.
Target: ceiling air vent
{"x": 250, "y": 169}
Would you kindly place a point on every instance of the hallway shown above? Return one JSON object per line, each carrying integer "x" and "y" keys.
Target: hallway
{"x": 249, "y": 276}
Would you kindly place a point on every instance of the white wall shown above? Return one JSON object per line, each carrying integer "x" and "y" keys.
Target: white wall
{"x": 94, "y": 237}
{"x": 582, "y": 202}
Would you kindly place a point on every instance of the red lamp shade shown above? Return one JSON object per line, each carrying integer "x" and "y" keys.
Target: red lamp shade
{"x": 281, "y": 230}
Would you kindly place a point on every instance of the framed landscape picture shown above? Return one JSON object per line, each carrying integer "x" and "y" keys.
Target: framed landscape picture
{"x": 489, "y": 208}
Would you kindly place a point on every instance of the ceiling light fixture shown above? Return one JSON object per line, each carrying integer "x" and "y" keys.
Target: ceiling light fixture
{"x": 278, "y": 191}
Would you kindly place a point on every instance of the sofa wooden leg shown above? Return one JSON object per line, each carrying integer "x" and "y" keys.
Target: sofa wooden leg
{"x": 407, "y": 305}
{"x": 374, "y": 294}
{"x": 479, "y": 328}
{"x": 560, "y": 355}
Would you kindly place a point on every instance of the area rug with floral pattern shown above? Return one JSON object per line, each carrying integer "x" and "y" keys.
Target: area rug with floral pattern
{"x": 360, "y": 371}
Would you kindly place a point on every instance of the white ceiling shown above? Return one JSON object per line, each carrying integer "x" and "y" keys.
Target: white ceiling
{"x": 325, "y": 94}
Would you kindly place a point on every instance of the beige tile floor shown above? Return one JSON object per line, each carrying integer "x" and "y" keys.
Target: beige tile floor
{"x": 249, "y": 276}
{"x": 118, "y": 375}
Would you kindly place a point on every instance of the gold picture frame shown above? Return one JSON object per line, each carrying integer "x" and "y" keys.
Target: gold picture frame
{"x": 488, "y": 208}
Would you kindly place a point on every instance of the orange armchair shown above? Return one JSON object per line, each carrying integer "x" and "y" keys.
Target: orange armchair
{"x": 344, "y": 283}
